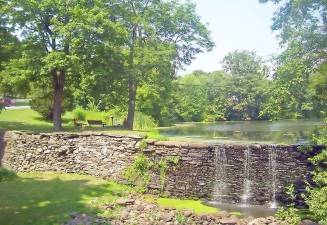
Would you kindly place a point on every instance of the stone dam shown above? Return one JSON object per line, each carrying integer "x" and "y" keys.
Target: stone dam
{"x": 249, "y": 174}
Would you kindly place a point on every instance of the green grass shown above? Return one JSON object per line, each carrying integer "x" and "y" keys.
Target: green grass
{"x": 48, "y": 198}
{"x": 31, "y": 121}
{"x": 28, "y": 120}
{"x": 194, "y": 205}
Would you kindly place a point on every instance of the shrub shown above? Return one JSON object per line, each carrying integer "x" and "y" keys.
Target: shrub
{"x": 289, "y": 215}
{"x": 144, "y": 122}
{"x": 6, "y": 174}
{"x": 180, "y": 218}
{"x": 79, "y": 114}
{"x": 42, "y": 102}
{"x": 317, "y": 198}
{"x": 138, "y": 173}
{"x": 118, "y": 114}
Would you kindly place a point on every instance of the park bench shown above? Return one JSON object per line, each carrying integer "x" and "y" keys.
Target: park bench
{"x": 96, "y": 122}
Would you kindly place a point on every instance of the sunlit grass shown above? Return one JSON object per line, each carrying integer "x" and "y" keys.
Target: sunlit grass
{"x": 31, "y": 121}
{"x": 183, "y": 204}
{"x": 48, "y": 198}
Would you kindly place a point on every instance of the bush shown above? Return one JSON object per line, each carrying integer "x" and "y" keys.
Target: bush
{"x": 317, "y": 198}
{"x": 289, "y": 215}
{"x": 138, "y": 173}
{"x": 144, "y": 122}
{"x": 42, "y": 102}
{"x": 118, "y": 114}
{"x": 6, "y": 175}
{"x": 79, "y": 114}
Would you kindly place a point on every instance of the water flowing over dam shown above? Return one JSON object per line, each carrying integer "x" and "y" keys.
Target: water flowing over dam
{"x": 247, "y": 177}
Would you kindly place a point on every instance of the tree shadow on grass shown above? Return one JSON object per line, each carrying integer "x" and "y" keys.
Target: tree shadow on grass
{"x": 38, "y": 201}
{"x": 9, "y": 125}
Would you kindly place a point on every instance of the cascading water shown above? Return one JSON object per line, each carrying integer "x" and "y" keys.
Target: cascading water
{"x": 273, "y": 173}
{"x": 247, "y": 180}
{"x": 220, "y": 185}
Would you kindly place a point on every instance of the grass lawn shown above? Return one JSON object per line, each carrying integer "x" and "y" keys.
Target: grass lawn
{"x": 28, "y": 120}
{"x": 194, "y": 205}
{"x": 31, "y": 121}
{"x": 48, "y": 198}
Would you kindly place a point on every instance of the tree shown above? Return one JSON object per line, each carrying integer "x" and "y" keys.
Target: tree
{"x": 243, "y": 63}
{"x": 191, "y": 97}
{"x": 318, "y": 90}
{"x": 247, "y": 83}
{"x": 9, "y": 47}
{"x": 161, "y": 34}
{"x": 304, "y": 23}
{"x": 69, "y": 36}
{"x": 303, "y": 34}
{"x": 288, "y": 92}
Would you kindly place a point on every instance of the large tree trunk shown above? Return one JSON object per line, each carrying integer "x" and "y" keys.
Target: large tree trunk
{"x": 58, "y": 87}
{"x": 131, "y": 104}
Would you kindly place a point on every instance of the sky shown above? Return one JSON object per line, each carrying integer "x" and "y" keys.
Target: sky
{"x": 235, "y": 25}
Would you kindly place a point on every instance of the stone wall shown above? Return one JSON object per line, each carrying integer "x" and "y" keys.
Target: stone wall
{"x": 197, "y": 174}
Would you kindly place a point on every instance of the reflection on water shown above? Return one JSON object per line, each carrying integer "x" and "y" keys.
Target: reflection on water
{"x": 285, "y": 131}
{"x": 246, "y": 210}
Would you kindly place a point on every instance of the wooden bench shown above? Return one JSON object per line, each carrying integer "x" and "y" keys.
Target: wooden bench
{"x": 96, "y": 122}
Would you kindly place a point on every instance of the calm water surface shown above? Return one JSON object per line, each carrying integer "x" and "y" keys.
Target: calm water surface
{"x": 277, "y": 132}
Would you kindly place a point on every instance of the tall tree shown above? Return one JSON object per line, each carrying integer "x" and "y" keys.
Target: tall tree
{"x": 247, "y": 81}
{"x": 303, "y": 23}
{"x": 243, "y": 63}
{"x": 162, "y": 33}
{"x": 302, "y": 27}
{"x": 68, "y": 36}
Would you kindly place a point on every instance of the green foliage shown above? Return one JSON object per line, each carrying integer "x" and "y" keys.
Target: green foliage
{"x": 64, "y": 44}
{"x": 302, "y": 23}
{"x": 143, "y": 145}
{"x": 138, "y": 173}
{"x": 163, "y": 166}
{"x": 6, "y": 175}
{"x": 93, "y": 106}
{"x": 155, "y": 135}
{"x": 288, "y": 92}
{"x": 222, "y": 96}
{"x": 318, "y": 89}
{"x": 180, "y": 218}
{"x": 317, "y": 198}
{"x": 174, "y": 160}
{"x": 42, "y": 102}
{"x": 79, "y": 114}
{"x": 243, "y": 63}
{"x": 144, "y": 122}
{"x": 298, "y": 88}
{"x": 288, "y": 215}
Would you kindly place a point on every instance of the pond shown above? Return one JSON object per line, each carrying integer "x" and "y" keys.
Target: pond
{"x": 273, "y": 132}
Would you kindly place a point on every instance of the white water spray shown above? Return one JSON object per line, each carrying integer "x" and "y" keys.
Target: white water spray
{"x": 247, "y": 180}
{"x": 220, "y": 185}
{"x": 273, "y": 174}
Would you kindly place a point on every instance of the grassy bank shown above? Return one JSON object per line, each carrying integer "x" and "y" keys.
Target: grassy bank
{"x": 31, "y": 121}
{"x": 48, "y": 198}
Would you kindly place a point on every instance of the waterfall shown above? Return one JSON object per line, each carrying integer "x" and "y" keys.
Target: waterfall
{"x": 273, "y": 173}
{"x": 247, "y": 180}
{"x": 220, "y": 184}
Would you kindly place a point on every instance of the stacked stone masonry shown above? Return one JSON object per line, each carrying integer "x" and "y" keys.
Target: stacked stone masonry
{"x": 107, "y": 156}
